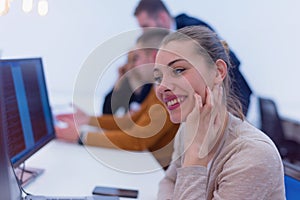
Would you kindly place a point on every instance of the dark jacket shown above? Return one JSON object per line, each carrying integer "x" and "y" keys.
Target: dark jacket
{"x": 121, "y": 98}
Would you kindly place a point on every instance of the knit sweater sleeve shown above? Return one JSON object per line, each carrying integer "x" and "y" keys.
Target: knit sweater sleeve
{"x": 182, "y": 182}
{"x": 191, "y": 183}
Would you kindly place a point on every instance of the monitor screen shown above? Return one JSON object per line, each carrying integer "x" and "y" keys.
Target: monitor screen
{"x": 26, "y": 111}
{"x": 9, "y": 188}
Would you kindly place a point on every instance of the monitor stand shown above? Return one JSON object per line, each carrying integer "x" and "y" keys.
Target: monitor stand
{"x": 27, "y": 175}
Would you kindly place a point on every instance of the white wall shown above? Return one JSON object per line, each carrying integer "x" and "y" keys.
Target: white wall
{"x": 264, "y": 35}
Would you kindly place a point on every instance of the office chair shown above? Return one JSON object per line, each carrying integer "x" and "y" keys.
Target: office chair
{"x": 271, "y": 125}
{"x": 291, "y": 180}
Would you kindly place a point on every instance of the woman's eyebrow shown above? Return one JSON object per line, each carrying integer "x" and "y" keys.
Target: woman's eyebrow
{"x": 171, "y": 63}
{"x": 174, "y": 61}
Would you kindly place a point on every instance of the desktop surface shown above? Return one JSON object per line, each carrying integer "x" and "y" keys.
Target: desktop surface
{"x": 74, "y": 170}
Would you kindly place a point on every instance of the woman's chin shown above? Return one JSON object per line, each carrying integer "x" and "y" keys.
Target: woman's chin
{"x": 176, "y": 119}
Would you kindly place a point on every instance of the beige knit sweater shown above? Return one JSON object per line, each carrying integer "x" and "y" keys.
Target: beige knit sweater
{"x": 246, "y": 166}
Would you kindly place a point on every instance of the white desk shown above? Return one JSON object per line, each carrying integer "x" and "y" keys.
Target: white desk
{"x": 74, "y": 170}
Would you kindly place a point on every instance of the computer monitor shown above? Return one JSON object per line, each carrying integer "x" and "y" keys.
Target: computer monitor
{"x": 27, "y": 115}
{"x": 9, "y": 188}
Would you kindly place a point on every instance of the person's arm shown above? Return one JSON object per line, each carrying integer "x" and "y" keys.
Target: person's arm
{"x": 112, "y": 122}
{"x": 202, "y": 131}
{"x": 182, "y": 182}
{"x": 179, "y": 182}
{"x": 144, "y": 133}
{"x": 191, "y": 183}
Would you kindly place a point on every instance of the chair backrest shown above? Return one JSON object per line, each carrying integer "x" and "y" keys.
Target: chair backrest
{"x": 270, "y": 120}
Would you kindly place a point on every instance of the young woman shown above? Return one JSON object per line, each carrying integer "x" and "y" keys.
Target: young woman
{"x": 218, "y": 155}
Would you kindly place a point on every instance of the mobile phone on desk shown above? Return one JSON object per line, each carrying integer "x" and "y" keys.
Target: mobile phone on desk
{"x": 113, "y": 191}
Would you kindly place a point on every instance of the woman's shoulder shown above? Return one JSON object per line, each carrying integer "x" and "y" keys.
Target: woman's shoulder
{"x": 241, "y": 130}
{"x": 244, "y": 137}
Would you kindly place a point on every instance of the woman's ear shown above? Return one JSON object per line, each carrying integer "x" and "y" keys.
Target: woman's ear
{"x": 221, "y": 71}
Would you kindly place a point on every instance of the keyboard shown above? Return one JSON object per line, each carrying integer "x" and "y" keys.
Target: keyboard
{"x": 96, "y": 197}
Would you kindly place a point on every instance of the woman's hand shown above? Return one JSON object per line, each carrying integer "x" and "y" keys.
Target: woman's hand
{"x": 203, "y": 128}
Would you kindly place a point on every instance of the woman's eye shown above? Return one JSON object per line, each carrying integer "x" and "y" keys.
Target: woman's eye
{"x": 178, "y": 71}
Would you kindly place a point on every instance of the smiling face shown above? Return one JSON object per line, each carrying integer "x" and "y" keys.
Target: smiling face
{"x": 180, "y": 73}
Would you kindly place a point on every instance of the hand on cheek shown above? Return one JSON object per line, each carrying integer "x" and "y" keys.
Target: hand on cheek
{"x": 211, "y": 120}
{"x": 193, "y": 121}
{"x": 202, "y": 127}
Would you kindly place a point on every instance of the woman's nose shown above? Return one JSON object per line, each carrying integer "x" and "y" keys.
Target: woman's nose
{"x": 164, "y": 86}
{"x": 160, "y": 88}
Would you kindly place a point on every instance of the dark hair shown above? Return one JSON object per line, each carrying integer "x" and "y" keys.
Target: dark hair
{"x": 209, "y": 45}
{"x": 152, "y": 7}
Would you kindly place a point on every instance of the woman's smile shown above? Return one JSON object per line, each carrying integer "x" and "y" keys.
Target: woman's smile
{"x": 173, "y": 102}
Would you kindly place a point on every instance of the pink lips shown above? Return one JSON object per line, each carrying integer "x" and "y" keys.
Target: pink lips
{"x": 172, "y": 102}
{"x": 174, "y": 106}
